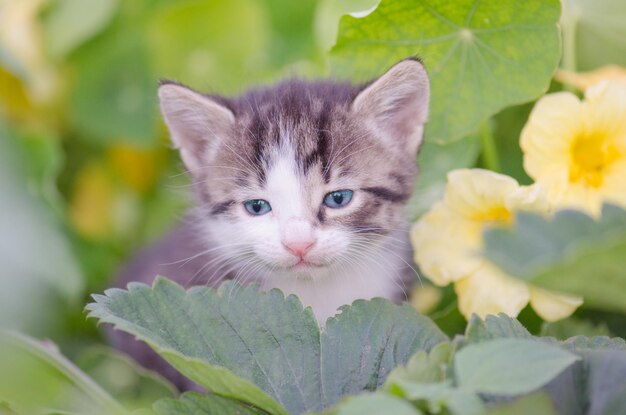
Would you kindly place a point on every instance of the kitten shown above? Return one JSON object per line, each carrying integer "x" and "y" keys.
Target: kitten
{"x": 300, "y": 186}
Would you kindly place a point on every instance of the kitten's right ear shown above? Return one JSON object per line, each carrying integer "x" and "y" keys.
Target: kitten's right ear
{"x": 196, "y": 123}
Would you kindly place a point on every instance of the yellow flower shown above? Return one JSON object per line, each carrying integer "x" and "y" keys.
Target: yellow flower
{"x": 448, "y": 246}
{"x": 576, "y": 150}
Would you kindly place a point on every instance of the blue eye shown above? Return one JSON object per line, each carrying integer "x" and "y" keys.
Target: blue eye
{"x": 338, "y": 198}
{"x": 257, "y": 207}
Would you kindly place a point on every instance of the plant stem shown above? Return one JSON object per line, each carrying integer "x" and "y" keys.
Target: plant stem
{"x": 490, "y": 151}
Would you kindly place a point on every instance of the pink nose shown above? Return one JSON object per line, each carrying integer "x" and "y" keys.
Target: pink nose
{"x": 299, "y": 248}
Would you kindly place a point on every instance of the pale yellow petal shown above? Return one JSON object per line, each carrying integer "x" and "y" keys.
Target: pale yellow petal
{"x": 528, "y": 198}
{"x": 475, "y": 193}
{"x": 554, "y": 123}
{"x": 606, "y": 111}
{"x": 490, "y": 291}
{"x": 445, "y": 245}
{"x": 584, "y": 80}
{"x": 552, "y": 306}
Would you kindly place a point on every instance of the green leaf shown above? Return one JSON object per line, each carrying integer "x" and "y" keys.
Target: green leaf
{"x": 476, "y": 51}
{"x": 235, "y": 338}
{"x": 573, "y": 326}
{"x": 537, "y": 403}
{"x": 36, "y": 379}
{"x": 366, "y": 341}
{"x": 376, "y": 404}
{"x": 328, "y": 14}
{"x": 596, "y": 385}
{"x": 494, "y": 327}
{"x": 509, "y": 366}
{"x": 193, "y": 403}
{"x": 440, "y": 398}
{"x": 564, "y": 252}
{"x": 69, "y": 23}
{"x": 425, "y": 367}
{"x": 435, "y": 161}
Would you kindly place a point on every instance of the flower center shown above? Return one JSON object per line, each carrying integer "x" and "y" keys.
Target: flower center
{"x": 496, "y": 216}
{"x": 591, "y": 155}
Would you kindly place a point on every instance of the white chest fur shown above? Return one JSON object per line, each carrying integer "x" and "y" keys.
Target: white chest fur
{"x": 327, "y": 293}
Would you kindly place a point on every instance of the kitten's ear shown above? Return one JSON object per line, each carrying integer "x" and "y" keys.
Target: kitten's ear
{"x": 196, "y": 123}
{"x": 396, "y": 104}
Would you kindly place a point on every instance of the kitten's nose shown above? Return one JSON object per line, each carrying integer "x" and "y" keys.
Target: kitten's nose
{"x": 300, "y": 247}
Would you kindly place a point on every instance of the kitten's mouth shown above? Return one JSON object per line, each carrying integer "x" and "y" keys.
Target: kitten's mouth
{"x": 304, "y": 264}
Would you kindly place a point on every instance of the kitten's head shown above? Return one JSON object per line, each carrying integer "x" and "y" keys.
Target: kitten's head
{"x": 302, "y": 178}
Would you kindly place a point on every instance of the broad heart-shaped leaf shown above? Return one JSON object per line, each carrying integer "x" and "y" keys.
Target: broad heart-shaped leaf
{"x": 509, "y": 366}
{"x": 482, "y": 55}
{"x": 234, "y": 338}
{"x": 36, "y": 379}
{"x": 566, "y": 253}
{"x": 192, "y": 403}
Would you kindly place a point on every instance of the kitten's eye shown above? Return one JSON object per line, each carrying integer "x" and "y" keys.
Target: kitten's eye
{"x": 338, "y": 198}
{"x": 257, "y": 207}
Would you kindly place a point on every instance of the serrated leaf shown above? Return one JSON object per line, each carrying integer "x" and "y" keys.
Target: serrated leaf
{"x": 235, "y": 338}
{"x": 476, "y": 51}
{"x": 36, "y": 379}
{"x": 192, "y": 403}
{"x": 509, "y": 366}
{"x": 425, "y": 367}
{"x": 494, "y": 327}
{"x": 564, "y": 252}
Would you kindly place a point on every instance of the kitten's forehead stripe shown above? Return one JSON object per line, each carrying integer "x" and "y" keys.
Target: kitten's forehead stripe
{"x": 222, "y": 207}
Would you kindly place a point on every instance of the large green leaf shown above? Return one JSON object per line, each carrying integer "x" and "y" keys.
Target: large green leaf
{"x": 509, "y": 366}
{"x": 570, "y": 252}
{"x": 219, "y": 338}
{"x": 482, "y": 55}
{"x": 36, "y": 379}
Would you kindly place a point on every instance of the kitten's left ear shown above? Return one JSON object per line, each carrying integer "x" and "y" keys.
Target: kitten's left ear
{"x": 396, "y": 105}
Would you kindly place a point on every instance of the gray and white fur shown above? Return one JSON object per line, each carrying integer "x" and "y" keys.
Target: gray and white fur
{"x": 292, "y": 145}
